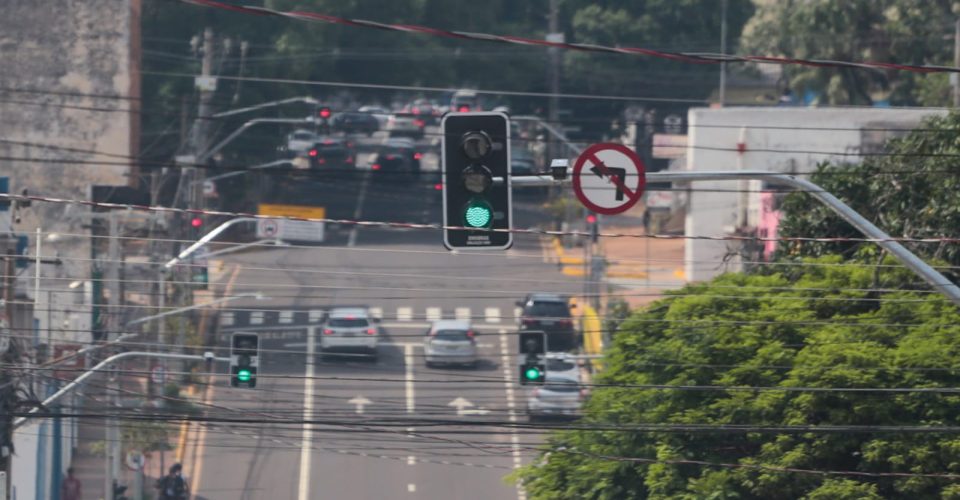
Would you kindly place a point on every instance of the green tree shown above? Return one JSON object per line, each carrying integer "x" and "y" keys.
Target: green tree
{"x": 816, "y": 327}
{"x": 896, "y": 31}
{"x": 910, "y": 192}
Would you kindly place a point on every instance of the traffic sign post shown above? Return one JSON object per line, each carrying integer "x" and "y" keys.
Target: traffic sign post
{"x": 608, "y": 178}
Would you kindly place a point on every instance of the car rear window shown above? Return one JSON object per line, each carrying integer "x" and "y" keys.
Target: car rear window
{"x": 451, "y": 335}
{"x": 560, "y": 365}
{"x": 549, "y": 309}
{"x": 562, "y": 386}
{"x": 348, "y": 322}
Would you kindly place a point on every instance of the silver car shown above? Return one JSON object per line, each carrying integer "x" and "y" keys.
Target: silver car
{"x": 349, "y": 329}
{"x": 558, "y": 397}
{"x": 450, "y": 342}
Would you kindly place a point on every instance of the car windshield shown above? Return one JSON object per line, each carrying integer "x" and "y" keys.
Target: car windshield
{"x": 451, "y": 335}
{"x": 348, "y": 322}
{"x": 561, "y": 386}
{"x": 560, "y": 365}
{"x": 549, "y": 309}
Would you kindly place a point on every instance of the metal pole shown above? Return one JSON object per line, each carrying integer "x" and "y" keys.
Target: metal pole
{"x": 553, "y": 53}
{"x": 113, "y": 275}
{"x": 723, "y": 50}
{"x": 867, "y": 228}
{"x": 206, "y": 238}
{"x": 36, "y": 288}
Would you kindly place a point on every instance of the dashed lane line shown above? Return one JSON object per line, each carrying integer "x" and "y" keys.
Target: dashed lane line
{"x": 508, "y": 380}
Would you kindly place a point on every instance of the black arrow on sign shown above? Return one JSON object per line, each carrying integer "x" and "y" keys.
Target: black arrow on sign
{"x": 617, "y": 174}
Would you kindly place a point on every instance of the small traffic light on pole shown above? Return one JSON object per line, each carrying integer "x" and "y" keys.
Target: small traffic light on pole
{"x": 533, "y": 369}
{"x": 475, "y": 158}
{"x": 244, "y": 359}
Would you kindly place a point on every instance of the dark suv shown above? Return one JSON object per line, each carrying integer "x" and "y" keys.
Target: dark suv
{"x": 550, "y": 313}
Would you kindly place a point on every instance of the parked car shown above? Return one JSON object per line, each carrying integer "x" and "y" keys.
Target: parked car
{"x": 354, "y": 122}
{"x": 349, "y": 329}
{"x": 404, "y": 124}
{"x": 557, "y": 397}
{"x": 398, "y": 155}
{"x": 550, "y": 313}
{"x": 450, "y": 342}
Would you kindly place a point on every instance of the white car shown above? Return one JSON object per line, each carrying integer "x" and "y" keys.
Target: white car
{"x": 450, "y": 342}
{"x": 563, "y": 365}
{"x": 558, "y": 397}
{"x": 405, "y": 125}
{"x": 349, "y": 329}
{"x": 301, "y": 140}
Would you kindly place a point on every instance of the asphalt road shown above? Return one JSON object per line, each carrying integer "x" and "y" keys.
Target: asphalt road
{"x": 409, "y": 439}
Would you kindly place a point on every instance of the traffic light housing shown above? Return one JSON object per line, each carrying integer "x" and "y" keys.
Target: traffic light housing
{"x": 533, "y": 371}
{"x": 533, "y": 343}
{"x": 475, "y": 159}
{"x": 244, "y": 359}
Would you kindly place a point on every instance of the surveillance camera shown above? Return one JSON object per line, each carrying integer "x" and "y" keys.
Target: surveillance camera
{"x": 558, "y": 169}
{"x": 208, "y": 356}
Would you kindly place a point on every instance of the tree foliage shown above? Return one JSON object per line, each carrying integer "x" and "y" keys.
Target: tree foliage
{"x": 810, "y": 326}
{"x": 896, "y": 31}
{"x": 910, "y": 191}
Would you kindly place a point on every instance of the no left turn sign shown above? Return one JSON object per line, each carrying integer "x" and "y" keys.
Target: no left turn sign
{"x": 608, "y": 178}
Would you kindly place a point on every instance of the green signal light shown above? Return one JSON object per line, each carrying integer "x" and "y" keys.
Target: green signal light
{"x": 478, "y": 214}
{"x": 532, "y": 373}
{"x": 244, "y": 375}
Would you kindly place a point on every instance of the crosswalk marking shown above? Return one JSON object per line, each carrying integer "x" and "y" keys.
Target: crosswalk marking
{"x": 226, "y": 318}
{"x": 315, "y": 316}
{"x": 376, "y": 312}
{"x": 286, "y": 317}
{"x": 462, "y": 313}
{"x": 434, "y": 313}
{"x": 492, "y": 314}
{"x": 404, "y": 313}
{"x": 256, "y": 317}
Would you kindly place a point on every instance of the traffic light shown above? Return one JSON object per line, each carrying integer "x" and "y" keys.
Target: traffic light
{"x": 533, "y": 343}
{"x": 476, "y": 180}
{"x": 324, "y": 113}
{"x": 533, "y": 371}
{"x": 244, "y": 359}
{"x": 594, "y": 226}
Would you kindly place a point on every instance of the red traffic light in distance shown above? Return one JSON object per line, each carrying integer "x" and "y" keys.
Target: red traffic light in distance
{"x": 463, "y": 108}
{"x": 591, "y": 218}
{"x": 196, "y": 222}
{"x": 324, "y": 112}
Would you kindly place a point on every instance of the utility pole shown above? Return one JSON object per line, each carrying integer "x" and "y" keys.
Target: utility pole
{"x": 201, "y": 129}
{"x": 553, "y": 35}
{"x": 723, "y": 50}
{"x": 10, "y": 354}
{"x": 955, "y": 77}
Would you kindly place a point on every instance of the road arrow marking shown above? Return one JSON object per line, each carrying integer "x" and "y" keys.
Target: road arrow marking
{"x": 360, "y": 402}
{"x": 462, "y": 406}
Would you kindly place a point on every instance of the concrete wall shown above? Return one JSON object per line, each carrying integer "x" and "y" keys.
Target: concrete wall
{"x": 69, "y": 81}
{"x": 778, "y": 139}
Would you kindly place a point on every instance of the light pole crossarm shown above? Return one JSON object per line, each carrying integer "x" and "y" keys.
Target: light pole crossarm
{"x": 938, "y": 281}
{"x": 205, "y": 239}
{"x": 271, "y": 104}
{"x": 103, "y": 364}
{"x": 243, "y": 128}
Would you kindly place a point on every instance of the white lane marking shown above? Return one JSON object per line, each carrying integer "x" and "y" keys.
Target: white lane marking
{"x": 425, "y": 324}
{"x": 376, "y": 312}
{"x": 408, "y": 362}
{"x": 306, "y": 443}
{"x": 352, "y": 240}
{"x": 286, "y": 317}
{"x": 256, "y": 318}
{"x": 360, "y": 403}
{"x": 226, "y": 318}
{"x": 434, "y": 313}
{"x": 511, "y": 406}
{"x": 462, "y": 313}
{"x": 412, "y": 488}
{"x": 315, "y": 316}
{"x": 404, "y": 313}
{"x": 517, "y": 312}
{"x": 411, "y": 460}
{"x": 492, "y": 314}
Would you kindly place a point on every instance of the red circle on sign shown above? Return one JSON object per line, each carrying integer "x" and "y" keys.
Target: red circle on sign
{"x": 632, "y": 197}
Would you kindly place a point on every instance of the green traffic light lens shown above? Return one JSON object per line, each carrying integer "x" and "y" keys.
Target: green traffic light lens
{"x": 531, "y": 373}
{"x": 478, "y": 214}
{"x": 244, "y": 375}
